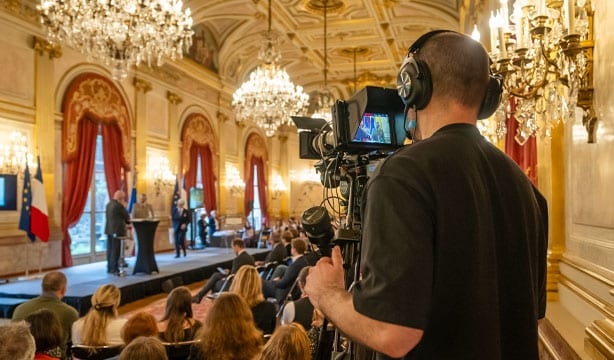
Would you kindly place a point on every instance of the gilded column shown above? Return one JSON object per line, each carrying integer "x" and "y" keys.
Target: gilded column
{"x": 142, "y": 87}
{"x": 556, "y": 208}
{"x": 174, "y": 132}
{"x": 44, "y": 129}
{"x": 222, "y": 201}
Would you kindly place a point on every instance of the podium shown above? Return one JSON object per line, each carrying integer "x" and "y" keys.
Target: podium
{"x": 145, "y": 233}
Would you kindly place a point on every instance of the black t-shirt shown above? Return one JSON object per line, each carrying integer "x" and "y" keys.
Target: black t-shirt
{"x": 454, "y": 243}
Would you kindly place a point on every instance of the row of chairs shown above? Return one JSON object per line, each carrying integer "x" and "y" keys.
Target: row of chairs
{"x": 179, "y": 350}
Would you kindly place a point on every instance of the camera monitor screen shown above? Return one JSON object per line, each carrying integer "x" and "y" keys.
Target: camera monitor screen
{"x": 374, "y": 128}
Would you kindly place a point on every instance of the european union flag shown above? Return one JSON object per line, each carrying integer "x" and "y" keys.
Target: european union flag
{"x": 176, "y": 196}
{"x": 26, "y": 203}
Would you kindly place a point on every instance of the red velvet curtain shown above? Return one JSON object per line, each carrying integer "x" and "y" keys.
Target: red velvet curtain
{"x": 78, "y": 179}
{"x": 524, "y": 155}
{"x": 112, "y": 150}
{"x": 208, "y": 179}
{"x": 207, "y": 175}
{"x": 257, "y": 162}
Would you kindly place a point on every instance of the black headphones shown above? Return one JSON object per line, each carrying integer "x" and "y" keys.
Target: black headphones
{"x": 415, "y": 86}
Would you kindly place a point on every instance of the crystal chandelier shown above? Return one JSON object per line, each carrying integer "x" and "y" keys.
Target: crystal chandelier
{"x": 14, "y": 154}
{"x": 543, "y": 50}
{"x": 120, "y": 33}
{"x": 325, "y": 98}
{"x": 269, "y": 98}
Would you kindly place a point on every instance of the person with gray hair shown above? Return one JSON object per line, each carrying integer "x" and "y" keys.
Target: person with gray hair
{"x": 149, "y": 348}
{"x": 181, "y": 219}
{"x": 16, "y": 342}
{"x": 115, "y": 228}
{"x": 54, "y": 286}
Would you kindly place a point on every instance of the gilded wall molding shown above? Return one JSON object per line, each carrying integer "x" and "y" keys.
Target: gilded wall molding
{"x": 173, "y": 98}
{"x": 197, "y": 129}
{"x": 142, "y": 85}
{"x": 43, "y": 46}
{"x": 96, "y": 97}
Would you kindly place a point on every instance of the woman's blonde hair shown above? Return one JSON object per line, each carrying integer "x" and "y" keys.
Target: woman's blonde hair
{"x": 248, "y": 285}
{"x": 229, "y": 331}
{"x": 289, "y": 342}
{"x": 105, "y": 302}
{"x": 178, "y": 310}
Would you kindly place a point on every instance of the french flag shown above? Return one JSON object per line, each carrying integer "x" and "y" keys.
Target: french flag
{"x": 39, "y": 221}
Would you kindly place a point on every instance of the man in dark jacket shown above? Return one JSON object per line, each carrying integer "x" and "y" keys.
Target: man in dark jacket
{"x": 280, "y": 286}
{"x": 217, "y": 279}
{"x": 117, "y": 218}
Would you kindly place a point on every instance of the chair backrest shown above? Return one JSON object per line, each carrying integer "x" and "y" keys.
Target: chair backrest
{"x": 85, "y": 352}
{"x": 179, "y": 350}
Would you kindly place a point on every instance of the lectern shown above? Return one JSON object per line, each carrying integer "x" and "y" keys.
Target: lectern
{"x": 145, "y": 234}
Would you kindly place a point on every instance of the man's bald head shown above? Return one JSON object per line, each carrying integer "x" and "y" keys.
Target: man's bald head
{"x": 54, "y": 283}
{"x": 119, "y": 195}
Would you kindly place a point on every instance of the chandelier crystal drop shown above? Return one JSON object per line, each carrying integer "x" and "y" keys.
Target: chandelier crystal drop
{"x": 120, "y": 33}
{"x": 269, "y": 98}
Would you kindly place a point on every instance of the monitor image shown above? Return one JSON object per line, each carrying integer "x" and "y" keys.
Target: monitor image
{"x": 8, "y": 192}
{"x": 374, "y": 128}
{"x": 196, "y": 198}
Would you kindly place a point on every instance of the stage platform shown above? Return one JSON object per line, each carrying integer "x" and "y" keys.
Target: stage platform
{"x": 83, "y": 280}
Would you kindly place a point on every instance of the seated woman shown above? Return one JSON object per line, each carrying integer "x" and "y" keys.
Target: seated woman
{"x": 100, "y": 326}
{"x": 48, "y": 334}
{"x": 139, "y": 324}
{"x": 248, "y": 285}
{"x": 178, "y": 323}
{"x": 289, "y": 342}
{"x": 141, "y": 348}
{"x": 228, "y": 331}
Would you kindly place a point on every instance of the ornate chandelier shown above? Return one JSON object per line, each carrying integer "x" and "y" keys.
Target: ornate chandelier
{"x": 269, "y": 98}
{"x": 543, "y": 50}
{"x": 120, "y": 33}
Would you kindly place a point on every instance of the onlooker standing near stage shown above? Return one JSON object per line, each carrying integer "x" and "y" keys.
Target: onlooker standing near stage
{"x": 142, "y": 209}
{"x": 181, "y": 219}
{"x": 54, "y": 287}
{"x": 211, "y": 224}
{"x": 117, "y": 218}
{"x": 202, "y": 228}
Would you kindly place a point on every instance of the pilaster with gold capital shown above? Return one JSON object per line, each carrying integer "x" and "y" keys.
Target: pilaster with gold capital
{"x": 44, "y": 129}
{"x": 142, "y": 87}
{"x": 174, "y": 132}
{"x": 284, "y": 169}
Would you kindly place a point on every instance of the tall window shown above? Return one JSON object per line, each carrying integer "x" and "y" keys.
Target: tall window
{"x": 88, "y": 237}
{"x": 255, "y": 216}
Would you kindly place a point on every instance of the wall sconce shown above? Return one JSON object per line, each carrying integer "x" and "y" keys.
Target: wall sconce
{"x": 544, "y": 52}
{"x": 305, "y": 176}
{"x": 277, "y": 186}
{"x": 13, "y": 154}
{"x": 233, "y": 182}
{"x": 160, "y": 174}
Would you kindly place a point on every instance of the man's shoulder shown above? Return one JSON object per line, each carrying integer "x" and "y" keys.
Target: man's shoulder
{"x": 55, "y": 305}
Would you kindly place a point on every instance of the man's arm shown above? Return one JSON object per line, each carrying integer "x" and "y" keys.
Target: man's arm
{"x": 325, "y": 287}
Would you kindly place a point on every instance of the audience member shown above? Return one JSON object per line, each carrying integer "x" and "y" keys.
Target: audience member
{"x": 140, "y": 324}
{"x": 289, "y": 342}
{"x": 202, "y": 229}
{"x": 54, "y": 286}
{"x": 248, "y": 285}
{"x": 16, "y": 342}
{"x": 100, "y": 326}
{"x": 216, "y": 280}
{"x": 301, "y": 310}
{"x": 248, "y": 235}
{"x": 48, "y": 335}
{"x": 178, "y": 323}
{"x": 142, "y": 348}
{"x": 228, "y": 332}
{"x": 286, "y": 239}
{"x": 278, "y": 251}
{"x": 280, "y": 287}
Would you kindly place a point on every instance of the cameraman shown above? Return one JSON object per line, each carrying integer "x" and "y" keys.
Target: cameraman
{"x": 454, "y": 234}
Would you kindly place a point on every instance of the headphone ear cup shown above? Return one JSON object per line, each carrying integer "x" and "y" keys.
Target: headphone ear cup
{"x": 492, "y": 97}
{"x": 414, "y": 83}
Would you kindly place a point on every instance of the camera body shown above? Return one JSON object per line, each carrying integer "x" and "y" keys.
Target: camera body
{"x": 371, "y": 120}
